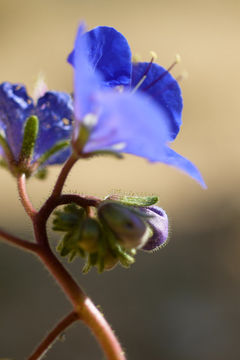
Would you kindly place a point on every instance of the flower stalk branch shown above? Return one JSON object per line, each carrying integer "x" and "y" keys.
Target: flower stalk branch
{"x": 49, "y": 340}
{"x": 21, "y": 183}
{"x": 16, "y": 241}
{"x": 63, "y": 175}
{"x": 84, "y": 309}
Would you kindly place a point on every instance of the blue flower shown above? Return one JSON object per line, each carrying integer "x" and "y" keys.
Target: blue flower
{"x": 54, "y": 111}
{"x": 131, "y": 108}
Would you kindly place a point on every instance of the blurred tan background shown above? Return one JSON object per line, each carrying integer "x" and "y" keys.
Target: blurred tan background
{"x": 184, "y": 301}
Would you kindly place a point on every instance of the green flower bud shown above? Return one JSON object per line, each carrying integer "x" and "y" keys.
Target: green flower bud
{"x": 109, "y": 261}
{"x": 90, "y": 235}
{"x": 126, "y": 224}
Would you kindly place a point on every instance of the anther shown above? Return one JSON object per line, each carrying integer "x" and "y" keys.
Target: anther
{"x": 136, "y": 58}
{"x": 176, "y": 61}
{"x": 183, "y": 76}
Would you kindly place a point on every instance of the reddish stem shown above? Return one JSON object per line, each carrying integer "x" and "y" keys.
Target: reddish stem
{"x": 63, "y": 175}
{"x": 83, "y": 306}
{"x": 53, "y": 335}
{"x": 13, "y": 240}
{"x": 21, "y": 182}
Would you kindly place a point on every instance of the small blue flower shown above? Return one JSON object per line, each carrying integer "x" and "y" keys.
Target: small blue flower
{"x": 141, "y": 122}
{"x": 54, "y": 111}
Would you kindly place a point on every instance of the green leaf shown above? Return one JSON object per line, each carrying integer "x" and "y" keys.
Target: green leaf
{"x": 56, "y": 148}
{"x": 138, "y": 200}
{"x": 29, "y": 139}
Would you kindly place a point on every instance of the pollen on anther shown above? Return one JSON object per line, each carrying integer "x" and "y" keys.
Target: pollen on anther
{"x": 177, "y": 58}
{"x": 66, "y": 121}
{"x": 136, "y": 58}
{"x": 153, "y": 55}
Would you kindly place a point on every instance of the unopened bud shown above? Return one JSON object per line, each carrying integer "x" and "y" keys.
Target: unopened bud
{"x": 89, "y": 235}
{"x": 109, "y": 261}
{"x": 158, "y": 222}
{"x": 128, "y": 227}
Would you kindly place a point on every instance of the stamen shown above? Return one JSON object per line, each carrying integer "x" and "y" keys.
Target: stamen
{"x": 153, "y": 55}
{"x": 177, "y": 60}
{"x": 182, "y": 76}
{"x": 66, "y": 121}
{"x": 90, "y": 120}
{"x": 139, "y": 84}
{"x": 136, "y": 58}
{"x": 144, "y": 76}
{"x": 119, "y": 146}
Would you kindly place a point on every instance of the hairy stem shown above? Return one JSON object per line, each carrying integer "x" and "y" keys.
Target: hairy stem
{"x": 49, "y": 340}
{"x": 21, "y": 182}
{"x": 16, "y": 241}
{"x": 63, "y": 175}
{"x": 83, "y": 306}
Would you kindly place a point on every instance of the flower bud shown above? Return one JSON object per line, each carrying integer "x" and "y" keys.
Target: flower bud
{"x": 158, "y": 222}
{"x": 90, "y": 235}
{"x": 109, "y": 261}
{"x": 128, "y": 227}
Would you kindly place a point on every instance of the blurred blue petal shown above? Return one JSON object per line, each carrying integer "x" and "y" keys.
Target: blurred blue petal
{"x": 166, "y": 91}
{"x": 108, "y": 53}
{"x": 174, "y": 159}
{"x": 55, "y": 113}
{"x": 129, "y": 123}
{"x": 15, "y": 107}
{"x": 86, "y": 81}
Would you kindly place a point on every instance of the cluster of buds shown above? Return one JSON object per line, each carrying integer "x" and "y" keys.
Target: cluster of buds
{"x": 112, "y": 233}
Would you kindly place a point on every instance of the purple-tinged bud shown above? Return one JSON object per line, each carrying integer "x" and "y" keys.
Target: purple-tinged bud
{"x": 129, "y": 228}
{"x": 158, "y": 222}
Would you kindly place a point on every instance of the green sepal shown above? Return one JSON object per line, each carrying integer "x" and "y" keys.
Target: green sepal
{"x": 138, "y": 200}
{"x": 4, "y": 165}
{"x": 30, "y": 134}
{"x": 126, "y": 257}
{"x": 92, "y": 261}
{"x": 7, "y": 151}
{"x": 69, "y": 218}
{"x": 113, "y": 153}
{"x": 41, "y": 173}
{"x": 56, "y": 148}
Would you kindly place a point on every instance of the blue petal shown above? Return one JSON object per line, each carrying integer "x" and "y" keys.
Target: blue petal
{"x": 86, "y": 81}
{"x": 55, "y": 113}
{"x": 129, "y": 123}
{"x": 166, "y": 92}
{"x": 174, "y": 159}
{"x": 15, "y": 108}
{"x": 109, "y": 53}
{"x": 1, "y": 151}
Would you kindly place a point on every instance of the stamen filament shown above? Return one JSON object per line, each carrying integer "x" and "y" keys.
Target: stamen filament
{"x": 177, "y": 60}
{"x": 139, "y": 84}
{"x": 144, "y": 76}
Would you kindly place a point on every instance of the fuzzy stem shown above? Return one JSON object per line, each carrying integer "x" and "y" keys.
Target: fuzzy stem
{"x": 21, "y": 182}
{"x": 63, "y": 175}
{"x": 83, "y": 306}
{"x": 23, "y": 244}
{"x": 49, "y": 340}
